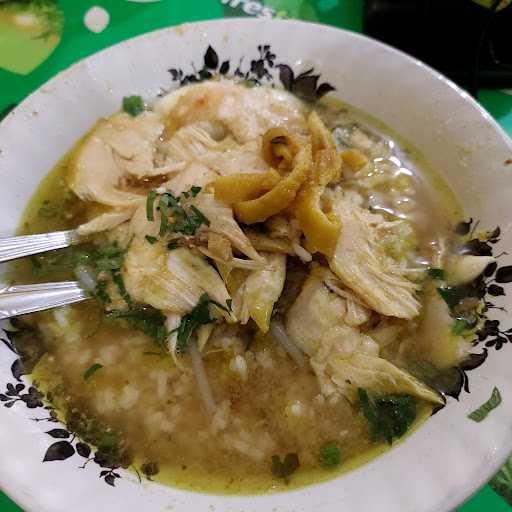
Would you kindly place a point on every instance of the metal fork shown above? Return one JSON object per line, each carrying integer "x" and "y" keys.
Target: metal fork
{"x": 20, "y": 300}
{"x": 14, "y": 247}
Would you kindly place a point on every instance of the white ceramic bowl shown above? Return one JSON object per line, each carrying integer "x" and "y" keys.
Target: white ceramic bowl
{"x": 435, "y": 468}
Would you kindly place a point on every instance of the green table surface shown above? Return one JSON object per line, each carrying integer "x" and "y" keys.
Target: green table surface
{"x": 27, "y": 61}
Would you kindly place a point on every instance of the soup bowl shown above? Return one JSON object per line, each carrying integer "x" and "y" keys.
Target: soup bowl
{"x": 45, "y": 469}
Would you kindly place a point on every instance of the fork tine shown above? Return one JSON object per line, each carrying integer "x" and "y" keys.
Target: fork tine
{"x": 15, "y": 247}
{"x": 20, "y": 300}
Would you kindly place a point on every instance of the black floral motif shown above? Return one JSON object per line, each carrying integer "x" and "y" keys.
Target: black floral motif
{"x": 469, "y": 305}
{"x": 207, "y": 71}
{"x": 17, "y": 370}
{"x": 61, "y": 450}
{"x": 14, "y": 393}
{"x": 259, "y": 71}
{"x": 484, "y": 288}
{"x": 491, "y": 329}
{"x": 67, "y": 443}
{"x": 84, "y": 450}
{"x": 304, "y": 85}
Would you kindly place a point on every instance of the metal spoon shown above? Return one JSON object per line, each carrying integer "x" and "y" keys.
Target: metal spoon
{"x": 14, "y": 247}
{"x": 20, "y": 300}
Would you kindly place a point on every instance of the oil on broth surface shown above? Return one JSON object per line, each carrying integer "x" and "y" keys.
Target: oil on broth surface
{"x": 147, "y": 411}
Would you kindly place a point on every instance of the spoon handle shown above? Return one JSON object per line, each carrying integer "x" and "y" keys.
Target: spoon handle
{"x": 15, "y": 247}
{"x": 20, "y": 300}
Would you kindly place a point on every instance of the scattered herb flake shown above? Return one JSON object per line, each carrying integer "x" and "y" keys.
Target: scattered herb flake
{"x": 36, "y": 264}
{"x": 146, "y": 319}
{"x": 101, "y": 292}
{"x": 459, "y": 326}
{"x": 286, "y": 467}
{"x": 150, "y": 205}
{"x": 229, "y": 304}
{"x": 172, "y": 245}
{"x": 483, "y": 411}
{"x": 200, "y": 218}
{"x": 151, "y": 239}
{"x": 175, "y": 217}
{"x": 110, "y": 257}
{"x": 249, "y": 83}
{"x": 133, "y": 105}
{"x": 389, "y": 416}
{"x": 163, "y": 205}
{"x": 330, "y": 455}
{"x": 119, "y": 282}
{"x": 108, "y": 441}
{"x": 452, "y": 295}
{"x": 200, "y": 315}
{"x": 92, "y": 370}
{"x": 436, "y": 273}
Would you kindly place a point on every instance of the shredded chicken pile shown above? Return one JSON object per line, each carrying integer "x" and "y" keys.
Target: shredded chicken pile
{"x": 265, "y": 178}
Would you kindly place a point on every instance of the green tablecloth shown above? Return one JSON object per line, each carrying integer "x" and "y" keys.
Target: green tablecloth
{"x": 39, "y": 38}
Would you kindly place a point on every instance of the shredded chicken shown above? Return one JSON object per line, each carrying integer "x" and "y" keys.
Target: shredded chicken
{"x": 105, "y": 221}
{"x": 222, "y": 222}
{"x": 225, "y": 157}
{"x": 170, "y": 281}
{"x": 244, "y": 113}
{"x": 118, "y": 148}
{"x": 342, "y": 356}
{"x": 194, "y": 174}
{"x": 263, "y": 288}
{"x": 361, "y": 264}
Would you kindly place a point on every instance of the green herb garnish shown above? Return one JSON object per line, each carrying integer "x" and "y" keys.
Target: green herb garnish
{"x": 108, "y": 441}
{"x": 483, "y": 411}
{"x": 101, "y": 292}
{"x": 176, "y": 217}
{"x": 229, "y": 304}
{"x": 330, "y": 455}
{"x": 121, "y": 288}
{"x": 92, "y": 370}
{"x": 172, "y": 245}
{"x": 250, "y": 83}
{"x": 151, "y": 239}
{"x": 163, "y": 206}
{"x": 459, "y": 326}
{"x": 200, "y": 315}
{"x": 389, "y": 416}
{"x": 286, "y": 467}
{"x": 110, "y": 257}
{"x": 199, "y": 218}
{"x": 150, "y": 204}
{"x": 452, "y": 295}
{"x": 146, "y": 319}
{"x": 133, "y": 105}
{"x": 436, "y": 273}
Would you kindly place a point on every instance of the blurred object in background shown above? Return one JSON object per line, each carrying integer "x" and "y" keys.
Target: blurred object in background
{"x": 467, "y": 40}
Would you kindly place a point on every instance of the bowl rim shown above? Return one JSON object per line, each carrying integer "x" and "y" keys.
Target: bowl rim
{"x": 250, "y": 20}
{"x": 501, "y": 455}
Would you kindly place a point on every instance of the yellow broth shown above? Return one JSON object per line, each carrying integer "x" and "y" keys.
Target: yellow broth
{"x": 151, "y": 410}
